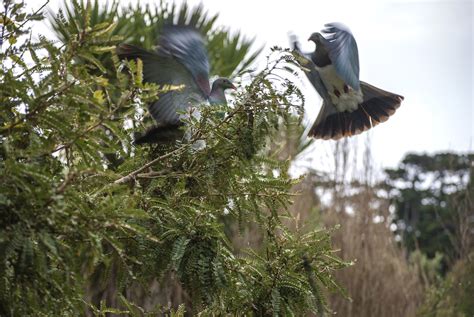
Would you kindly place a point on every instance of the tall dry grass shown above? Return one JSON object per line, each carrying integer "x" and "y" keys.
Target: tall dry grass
{"x": 381, "y": 282}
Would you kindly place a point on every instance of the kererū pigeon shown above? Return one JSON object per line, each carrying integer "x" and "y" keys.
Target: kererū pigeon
{"x": 180, "y": 58}
{"x": 349, "y": 106}
{"x": 217, "y": 95}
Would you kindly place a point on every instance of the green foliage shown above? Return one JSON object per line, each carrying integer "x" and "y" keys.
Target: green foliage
{"x": 453, "y": 295}
{"x": 428, "y": 268}
{"x": 73, "y": 224}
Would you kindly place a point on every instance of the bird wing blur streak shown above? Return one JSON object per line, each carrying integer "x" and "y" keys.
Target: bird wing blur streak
{"x": 180, "y": 60}
{"x": 166, "y": 72}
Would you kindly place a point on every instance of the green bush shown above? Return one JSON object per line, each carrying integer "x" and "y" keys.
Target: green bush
{"x": 452, "y": 296}
{"x": 82, "y": 210}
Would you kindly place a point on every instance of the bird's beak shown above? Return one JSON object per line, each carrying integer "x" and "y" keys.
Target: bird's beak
{"x": 232, "y": 87}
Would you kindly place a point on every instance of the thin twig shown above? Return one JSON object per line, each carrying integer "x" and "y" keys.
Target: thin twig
{"x": 19, "y": 27}
{"x": 67, "y": 180}
{"x": 133, "y": 174}
{"x": 62, "y": 187}
{"x": 2, "y": 37}
{"x": 155, "y": 174}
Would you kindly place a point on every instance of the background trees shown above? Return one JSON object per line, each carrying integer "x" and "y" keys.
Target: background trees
{"x": 428, "y": 192}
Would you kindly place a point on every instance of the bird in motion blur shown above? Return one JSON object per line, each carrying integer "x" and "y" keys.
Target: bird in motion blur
{"x": 350, "y": 106}
{"x": 180, "y": 59}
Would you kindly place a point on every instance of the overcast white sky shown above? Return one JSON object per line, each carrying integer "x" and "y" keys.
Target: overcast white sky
{"x": 420, "y": 49}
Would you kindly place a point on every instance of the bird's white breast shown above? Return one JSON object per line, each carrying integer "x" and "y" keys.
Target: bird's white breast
{"x": 344, "y": 101}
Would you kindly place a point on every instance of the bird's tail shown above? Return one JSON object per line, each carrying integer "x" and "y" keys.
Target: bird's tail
{"x": 160, "y": 133}
{"x": 377, "y": 106}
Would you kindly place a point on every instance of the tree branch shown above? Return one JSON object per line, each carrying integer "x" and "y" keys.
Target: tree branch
{"x": 133, "y": 174}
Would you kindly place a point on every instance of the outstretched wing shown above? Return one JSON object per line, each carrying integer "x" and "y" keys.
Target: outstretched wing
{"x": 187, "y": 46}
{"x": 343, "y": 52}
{"x": 166, "y": 71}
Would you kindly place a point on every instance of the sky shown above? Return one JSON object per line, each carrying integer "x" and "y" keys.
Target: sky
{"x": 420, "y": 49}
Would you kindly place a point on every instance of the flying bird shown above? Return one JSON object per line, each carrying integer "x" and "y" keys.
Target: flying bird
{"x": 350, "y": 106}
{"x": 180, "y": 59}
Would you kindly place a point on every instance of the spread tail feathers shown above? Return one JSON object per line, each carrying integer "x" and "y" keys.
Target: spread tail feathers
{"x": 377, "y": 107}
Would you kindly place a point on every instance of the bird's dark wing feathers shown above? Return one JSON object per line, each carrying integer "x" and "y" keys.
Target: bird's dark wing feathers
{"x": 165, "y": 71}
{"x": 342, "y": 49}
{"x": 187, "y": 46}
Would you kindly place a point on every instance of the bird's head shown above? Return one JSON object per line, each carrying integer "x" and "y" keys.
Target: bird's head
{"x": 316, "y": 37}
{"x": 223, "y": 83}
